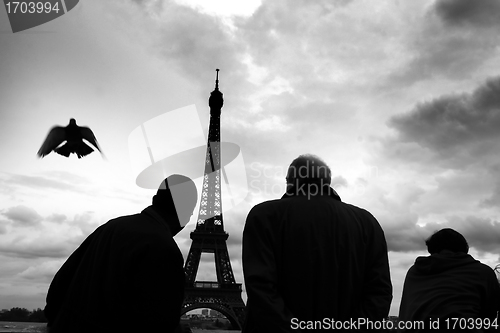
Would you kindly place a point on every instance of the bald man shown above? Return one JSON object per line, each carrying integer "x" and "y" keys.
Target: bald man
{"x": 308, "y": 257}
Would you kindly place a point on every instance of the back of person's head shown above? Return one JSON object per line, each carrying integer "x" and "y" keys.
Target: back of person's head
{"x": 308, "y": 169}
{"x": 447, "y": 239}
{"x": 177, "y": 194}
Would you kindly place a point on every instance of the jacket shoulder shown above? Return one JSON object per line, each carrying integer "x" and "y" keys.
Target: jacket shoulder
{"x": 136, "y": 225}
{"x": 360, "y": 211}
{"x": 265, "y": 206}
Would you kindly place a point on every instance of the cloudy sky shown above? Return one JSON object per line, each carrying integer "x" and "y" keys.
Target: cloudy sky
{"x": 400, "y": 98}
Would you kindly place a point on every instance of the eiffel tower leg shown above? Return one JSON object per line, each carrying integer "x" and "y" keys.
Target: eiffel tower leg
{"x": 223, "y": 266}
{"x": 192, "y": 264}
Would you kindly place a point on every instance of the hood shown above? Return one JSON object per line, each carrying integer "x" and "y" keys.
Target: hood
{"x": 169, "y": 220}
{"x": 437, "y": 263}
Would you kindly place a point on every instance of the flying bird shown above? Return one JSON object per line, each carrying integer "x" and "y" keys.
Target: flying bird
{"x": 73, "y": 135}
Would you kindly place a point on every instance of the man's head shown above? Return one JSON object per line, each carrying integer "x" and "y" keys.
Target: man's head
{"x": 308, "y": 169}
{"x": 447, "y": 239}
{"x": 177, "y": 194}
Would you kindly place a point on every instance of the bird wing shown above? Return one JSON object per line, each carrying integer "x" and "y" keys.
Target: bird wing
{"x": 55, "y": 137}
{"x": 88, "y": 135}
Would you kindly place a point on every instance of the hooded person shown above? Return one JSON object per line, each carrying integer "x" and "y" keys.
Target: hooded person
{"x": 449, "y": 286}
{"x": 127, "y": 276}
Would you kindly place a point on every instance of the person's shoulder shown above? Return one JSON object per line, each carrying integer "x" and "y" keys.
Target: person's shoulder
{"x": 484, "y": 272}
{"x": 143, "y": 228}
{"x": 138, "y": 224}
{"x": 362, "y": 217}
{"x": 358, "y": 210}
{"x": 121, "y": 221}
{"x": 266, "y": 205}
{"x": 124, "y": 218}
{"x": 483, "y": 267}
{"x": 263, "y": 211}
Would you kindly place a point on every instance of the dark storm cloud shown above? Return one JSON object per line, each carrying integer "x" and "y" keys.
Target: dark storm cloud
{"x": 308, "y": 43}
{"x": 277, "y": 20}
{"x": 437, "y": 53}
{"x": 194, "y": 44}
{"x": 459, "y": 127}
{"x": 198, "y": 44}
{"x": 482, "y": 13}
{"x": 276, "y": 38}
{"x": 452, "y": 142}
{"x": 22, "y": 216}
{"x": 481, "y": 234}
{"x": 467, "y": 40}
{"x": 287, "y": 18}
{"x": 404, "y": 240}
{"x": 494, "y": 199}
{"x": 3, "y": 227}
{"x": 405, "y": 237}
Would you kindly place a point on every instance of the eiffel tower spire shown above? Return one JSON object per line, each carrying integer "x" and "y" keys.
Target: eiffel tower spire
{"x": 223, "y": 295}
{"x": 210, "y": 214}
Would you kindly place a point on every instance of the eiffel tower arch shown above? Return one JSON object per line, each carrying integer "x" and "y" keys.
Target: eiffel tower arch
{"x": 223, "y": 295}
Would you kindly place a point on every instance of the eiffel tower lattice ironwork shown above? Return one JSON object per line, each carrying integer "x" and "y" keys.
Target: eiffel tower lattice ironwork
{"x": 223, "y": 295}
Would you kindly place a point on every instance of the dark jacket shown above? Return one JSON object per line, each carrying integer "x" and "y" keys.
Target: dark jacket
{"x": 127, "y": 276}
{"x": 310, "y": 258}
{"x": 449, "y": 285}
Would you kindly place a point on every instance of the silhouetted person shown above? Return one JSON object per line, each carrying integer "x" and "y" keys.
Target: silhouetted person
{"x": 73, "y": 135}
{"x": 449, "y": 284}
{"x": 309, "y": 256}
{"x": 128, "y": 275}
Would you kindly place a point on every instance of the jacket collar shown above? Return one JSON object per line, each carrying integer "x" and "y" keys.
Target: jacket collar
{"x": 293, "y": 191}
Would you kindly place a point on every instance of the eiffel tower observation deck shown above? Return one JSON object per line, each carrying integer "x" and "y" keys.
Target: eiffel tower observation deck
{"x": 223, "y": 295}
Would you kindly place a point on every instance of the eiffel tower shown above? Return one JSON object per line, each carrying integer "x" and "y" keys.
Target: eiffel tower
{"x": 223, "y": 295}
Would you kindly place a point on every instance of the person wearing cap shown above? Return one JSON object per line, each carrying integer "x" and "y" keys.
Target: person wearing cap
{"x": 127, "y": 276}
{"x": 308, "y": 258}
{"x": 449, "y": 289}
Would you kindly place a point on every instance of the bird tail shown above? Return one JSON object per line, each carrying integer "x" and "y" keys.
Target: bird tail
{"x": 63, "y": 150}
{"x": 83, "y": 150}
{"x": 80, "y": 149}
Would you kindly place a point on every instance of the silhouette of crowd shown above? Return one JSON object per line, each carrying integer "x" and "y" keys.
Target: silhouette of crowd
{"x": 311, "y": 262}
